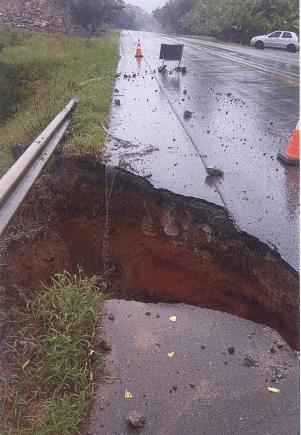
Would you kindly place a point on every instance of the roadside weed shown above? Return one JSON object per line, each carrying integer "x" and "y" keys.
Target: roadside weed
{"x": 48, "y": 70}
{"x": 50, "y": 392}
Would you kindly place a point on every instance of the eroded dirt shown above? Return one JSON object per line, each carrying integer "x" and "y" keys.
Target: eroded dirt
{"x": 162, "y": 246}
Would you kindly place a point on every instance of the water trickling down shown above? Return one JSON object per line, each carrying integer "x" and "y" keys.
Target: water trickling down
{"x": 110, "y": 175}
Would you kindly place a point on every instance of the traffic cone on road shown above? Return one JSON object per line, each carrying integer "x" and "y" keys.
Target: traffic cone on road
{"x": 138, "y": 49}
{"x": 291, "y": 155}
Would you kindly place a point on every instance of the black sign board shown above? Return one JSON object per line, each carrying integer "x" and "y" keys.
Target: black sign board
{"x": 171, "y": 52}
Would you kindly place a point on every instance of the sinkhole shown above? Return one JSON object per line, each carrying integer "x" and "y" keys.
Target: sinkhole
{"x": 150, "y": 244}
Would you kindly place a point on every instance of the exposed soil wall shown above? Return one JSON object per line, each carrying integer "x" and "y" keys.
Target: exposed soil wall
{"x": 161, "y": 246}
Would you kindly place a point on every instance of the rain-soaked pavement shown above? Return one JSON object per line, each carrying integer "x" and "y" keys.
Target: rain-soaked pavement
{"x": 192, "y": 371}
{"x": 245, "y": 108}
{"x": 281, "y": 64}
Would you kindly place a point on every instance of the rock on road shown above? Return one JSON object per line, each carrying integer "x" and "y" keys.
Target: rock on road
{"x": 244, "y": 106}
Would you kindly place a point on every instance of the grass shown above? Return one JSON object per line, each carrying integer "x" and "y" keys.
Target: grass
{"x": 48, "y": 70}
{"x": 50, "y": 392}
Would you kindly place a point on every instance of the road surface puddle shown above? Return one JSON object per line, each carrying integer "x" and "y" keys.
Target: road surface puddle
{"x": 151, "y": 244}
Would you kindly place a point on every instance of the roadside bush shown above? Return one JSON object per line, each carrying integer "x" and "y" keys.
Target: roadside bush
{"x": 8, "y": 74}
{"x": 91, "y": 13}
{"x": 10, "y": 37}
{"x": 8, "y": 90}
{"x": 234, "y": 20}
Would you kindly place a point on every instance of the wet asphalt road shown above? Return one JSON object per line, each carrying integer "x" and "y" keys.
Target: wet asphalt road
{"x": 242, "y": 115}
{"x": 214, "y": 380}
{"x": 279, "y": 64}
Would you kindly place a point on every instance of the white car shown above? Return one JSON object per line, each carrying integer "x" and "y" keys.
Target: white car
{"x": 278, "y": 39}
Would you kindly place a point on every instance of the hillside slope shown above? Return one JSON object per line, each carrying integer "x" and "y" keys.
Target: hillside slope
{"x": 39, "y": 15}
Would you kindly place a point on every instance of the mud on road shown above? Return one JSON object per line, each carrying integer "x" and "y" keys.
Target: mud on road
{"x": 152, "y": 245}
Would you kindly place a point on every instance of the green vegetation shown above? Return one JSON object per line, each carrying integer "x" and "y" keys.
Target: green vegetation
{"x": 8, "y": 90}
{"x": 48, "y": 70}
{"x": 91, "y": 13}
{"x": 50, "y": 393}
{"x": 8, "y": 76}
{"x": 234, "y": 20}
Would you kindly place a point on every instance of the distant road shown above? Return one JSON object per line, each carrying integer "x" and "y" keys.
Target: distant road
{"x": 275, "y": 62}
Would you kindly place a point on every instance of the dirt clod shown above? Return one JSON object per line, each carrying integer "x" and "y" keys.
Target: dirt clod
{"x": 249, "y": 361}
{"x": 135, "y": 419}
{"x": 162, "y": 69}
{"x": 105, "y": 346}
{"x": 214, "y": 171}
{"x": 187, "y": 114}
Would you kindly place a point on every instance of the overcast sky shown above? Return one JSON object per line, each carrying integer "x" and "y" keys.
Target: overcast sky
{"x": 147, "y": 5}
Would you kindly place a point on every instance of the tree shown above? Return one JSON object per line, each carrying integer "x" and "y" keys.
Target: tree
{"x": 134, "y": 18}
{"x": 237, "y": 20}
{"x": 91, "y": 13}
{"x": 170, "y": 15}
{"x": 126, "y": 19}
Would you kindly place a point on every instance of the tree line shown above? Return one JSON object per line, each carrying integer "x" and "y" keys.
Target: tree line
{"x": 91, "y": 14}
{"x": 134, "y": 18}
{"x": 231, "y": 20}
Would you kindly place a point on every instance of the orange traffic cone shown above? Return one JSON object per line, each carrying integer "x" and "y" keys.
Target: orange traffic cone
{"x": 138, "y": 49}
{"x": 292, "y": 154}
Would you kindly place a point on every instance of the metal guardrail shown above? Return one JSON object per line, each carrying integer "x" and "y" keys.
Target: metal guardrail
{"x": 18, "y": 180}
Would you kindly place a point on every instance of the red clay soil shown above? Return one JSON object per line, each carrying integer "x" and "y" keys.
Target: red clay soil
{"x": 162, "y": 247}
